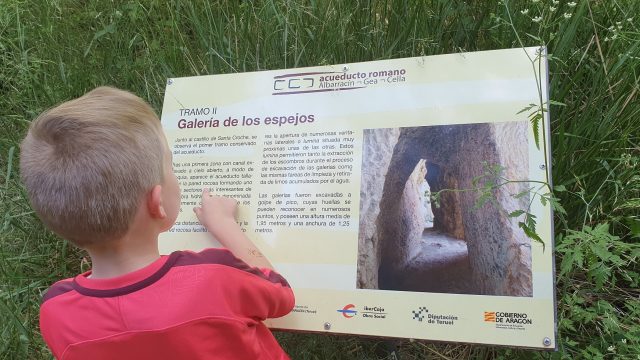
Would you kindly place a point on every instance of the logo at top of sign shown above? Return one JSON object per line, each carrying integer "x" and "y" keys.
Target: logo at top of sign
{"x": 348, "y": 311}
{"x": 309, "y": 82}
{"x": 322, "y": 81}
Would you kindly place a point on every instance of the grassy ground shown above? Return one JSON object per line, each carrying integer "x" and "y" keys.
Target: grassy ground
{"x": 52, "y": 50}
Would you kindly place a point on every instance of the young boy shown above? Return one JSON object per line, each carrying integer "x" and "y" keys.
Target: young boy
{"x": 98, "y": 172}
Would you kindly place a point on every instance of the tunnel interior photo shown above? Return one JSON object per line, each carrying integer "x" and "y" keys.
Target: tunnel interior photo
{"x": 409, "y": 242}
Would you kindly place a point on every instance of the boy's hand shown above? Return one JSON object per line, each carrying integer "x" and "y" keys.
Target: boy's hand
{"x": 216, "y": 212}
{"x": 218, "y": 215}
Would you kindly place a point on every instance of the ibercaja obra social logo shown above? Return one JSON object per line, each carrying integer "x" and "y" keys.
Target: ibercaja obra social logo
{"x": 348, "y": 311}
{"x": 367, "y": 312}
{"x": 322, "y": 81}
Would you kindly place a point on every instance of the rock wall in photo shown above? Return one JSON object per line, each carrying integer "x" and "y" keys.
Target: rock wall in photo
{"x": 378, "y": 147}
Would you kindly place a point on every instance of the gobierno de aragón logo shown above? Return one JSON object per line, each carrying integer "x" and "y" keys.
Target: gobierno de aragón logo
{"x": 500, "y": 317}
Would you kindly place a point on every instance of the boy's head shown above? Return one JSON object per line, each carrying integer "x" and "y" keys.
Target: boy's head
{"x": 89, "y": 163}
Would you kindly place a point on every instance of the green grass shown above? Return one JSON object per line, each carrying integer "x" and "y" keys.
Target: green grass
{"x": 53, "y": 50}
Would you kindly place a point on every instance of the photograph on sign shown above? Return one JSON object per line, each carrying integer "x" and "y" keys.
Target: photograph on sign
{"x": 400, "y": 198}
{"x": 422, "y": 225}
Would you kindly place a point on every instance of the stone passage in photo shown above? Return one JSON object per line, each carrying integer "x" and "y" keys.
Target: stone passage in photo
{"x": 407, "y": 243}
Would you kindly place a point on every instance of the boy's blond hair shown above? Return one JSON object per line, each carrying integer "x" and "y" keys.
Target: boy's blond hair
{"x": 88, "y": 163}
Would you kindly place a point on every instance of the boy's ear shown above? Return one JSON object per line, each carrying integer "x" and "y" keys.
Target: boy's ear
{"x": 154, "y": 203}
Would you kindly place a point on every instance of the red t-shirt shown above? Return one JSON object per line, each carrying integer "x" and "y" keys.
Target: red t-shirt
{"x": 207, "y": 305}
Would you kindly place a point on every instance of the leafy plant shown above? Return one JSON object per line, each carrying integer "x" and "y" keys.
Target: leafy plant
{"x": 492, "y": 179}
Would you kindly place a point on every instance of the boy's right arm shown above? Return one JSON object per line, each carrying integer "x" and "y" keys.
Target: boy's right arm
{"x": 218, "y": 215}
{"x": 271, "y": 296}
